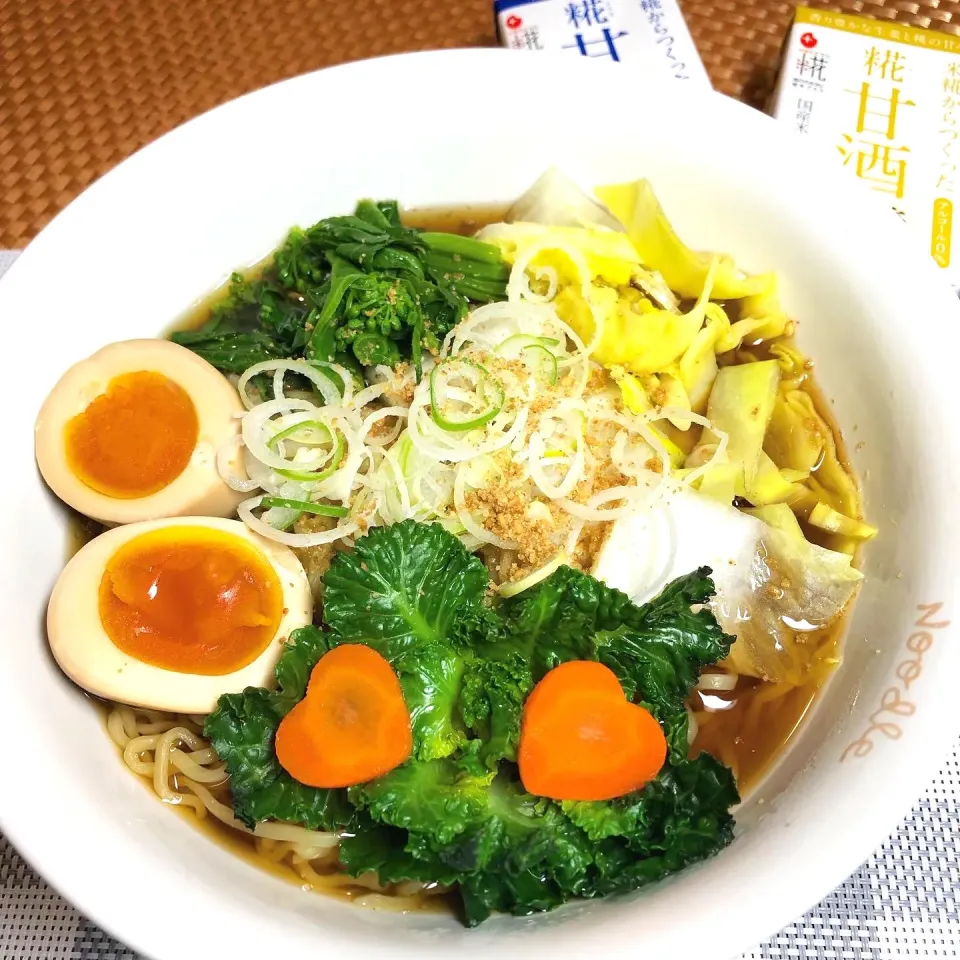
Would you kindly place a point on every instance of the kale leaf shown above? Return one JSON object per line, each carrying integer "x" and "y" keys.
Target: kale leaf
{"x": 658, "y": 649}
{"x": 242, "y": 730}
{"x": 456, "y": 812}
{"x": 400, "y": 591}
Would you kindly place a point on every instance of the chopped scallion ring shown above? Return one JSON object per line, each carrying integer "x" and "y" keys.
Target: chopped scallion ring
{"x": 306, "y": 506}
{"x": 290, "y": 433}
{"x": 520, "y": 341}
{"x": 484, "y": 382}
{"x": 315, "y": 476}
{"x": 546, "y": 361}
{"x": 543, "y": 357}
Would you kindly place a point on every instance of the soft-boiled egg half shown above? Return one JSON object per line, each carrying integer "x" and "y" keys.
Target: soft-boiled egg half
{"x": 170, "y": 614}
{"x": 132, "y": 433}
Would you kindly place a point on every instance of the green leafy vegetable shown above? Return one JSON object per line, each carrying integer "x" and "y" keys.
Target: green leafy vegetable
{"x": 400, "y": 592}
{"x": 363, "y": 286}
{"x": 456, "y": 812}
{"x": 257, "y": 320}
{"x": 243, "y": 728}
{"x": 305, "y": 506}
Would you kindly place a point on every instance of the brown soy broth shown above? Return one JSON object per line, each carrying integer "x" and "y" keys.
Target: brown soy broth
{"x": 80, "y": 531}
{"x": 749, "y": 727}
{"x": 198, "y": 314}
{"x": 465, "y": 219}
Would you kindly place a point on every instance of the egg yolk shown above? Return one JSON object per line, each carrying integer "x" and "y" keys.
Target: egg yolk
{"x": 135, "y": 438}
{"x": 190, "y": 599}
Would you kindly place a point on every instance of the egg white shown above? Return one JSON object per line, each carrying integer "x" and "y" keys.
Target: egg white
{"x": 87, "y": 655}
{"x": 199, "y": 489}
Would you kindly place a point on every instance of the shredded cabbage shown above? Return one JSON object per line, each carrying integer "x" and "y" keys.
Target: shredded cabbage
{"x": 635, "y": 205}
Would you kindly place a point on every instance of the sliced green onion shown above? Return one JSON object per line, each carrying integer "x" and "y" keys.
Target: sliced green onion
{"x": 486, "y": 379}
{"x": 521, "y": 341}
{"x": 547, "y": 359}
{"x": 331, "y": 376}
{"x": 315, "y": 476}
{"x": 547, "y": 364}
{"x": 288, "y": 432}
{"x": 306, "y": 506}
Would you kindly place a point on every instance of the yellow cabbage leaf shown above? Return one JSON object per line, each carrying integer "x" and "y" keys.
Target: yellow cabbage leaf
{"x": 779, "y": 516}
{"x": 764, "y": 314}
{"x": 796, "y": 436}
{"x": 770, "y": 486}
{"x": 698, "y": 366}
{"x": 741, "y": 403}
{"x": 555, "y": 200}
{"x": 826, "y": 518}
{"x": 636, "y": 400}
{"x": 636, "y": 335}
{"x": 833, "y": 485}
{"x": 674, "y": 395}
{"x": 798, "y": 439}
{"x": 665, "y": 390}
{"x": 794, "y": 366}
{"x": 721, "y": 482}
{"x": 635, "y": 205}
{"x": 791, "y": 581}
{"x": 652, "y": 284}
{"x": 609, "y": 254}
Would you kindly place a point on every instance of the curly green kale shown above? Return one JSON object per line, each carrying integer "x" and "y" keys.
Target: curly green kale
{"x": 456, "y": 812}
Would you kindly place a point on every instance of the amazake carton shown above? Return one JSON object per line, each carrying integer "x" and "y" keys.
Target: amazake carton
{"x": 884, "y": 99}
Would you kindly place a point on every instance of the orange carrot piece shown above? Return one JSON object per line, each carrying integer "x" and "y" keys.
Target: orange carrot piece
{"x": 353, "y": 724}
{"x": 581, "y": 739}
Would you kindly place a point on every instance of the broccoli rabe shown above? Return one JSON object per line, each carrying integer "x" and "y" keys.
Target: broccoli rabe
{"x": 362, "y": 286}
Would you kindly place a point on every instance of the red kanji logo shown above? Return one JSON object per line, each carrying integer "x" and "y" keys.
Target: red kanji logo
{"x": 513, "y": 21}
{"x": 808, "y": 40}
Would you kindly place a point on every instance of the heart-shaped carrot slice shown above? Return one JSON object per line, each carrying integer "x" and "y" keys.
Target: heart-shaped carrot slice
{"x": 581, "y": 739}
{"x": 353, "y": 724}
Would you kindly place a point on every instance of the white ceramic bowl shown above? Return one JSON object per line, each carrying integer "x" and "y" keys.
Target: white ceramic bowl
{"x": 169, "y": 224}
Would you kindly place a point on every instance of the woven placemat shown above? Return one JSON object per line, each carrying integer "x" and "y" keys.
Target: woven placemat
{"x": 84, "y": 83}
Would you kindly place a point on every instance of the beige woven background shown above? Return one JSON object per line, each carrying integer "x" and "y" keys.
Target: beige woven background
{"x": 84, "y": 83}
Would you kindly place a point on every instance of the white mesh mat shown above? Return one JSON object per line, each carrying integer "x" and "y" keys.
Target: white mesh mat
{"x": 903, "y": 903}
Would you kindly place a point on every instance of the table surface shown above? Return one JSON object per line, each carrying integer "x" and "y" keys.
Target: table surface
{"x": 84, "y": 83}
